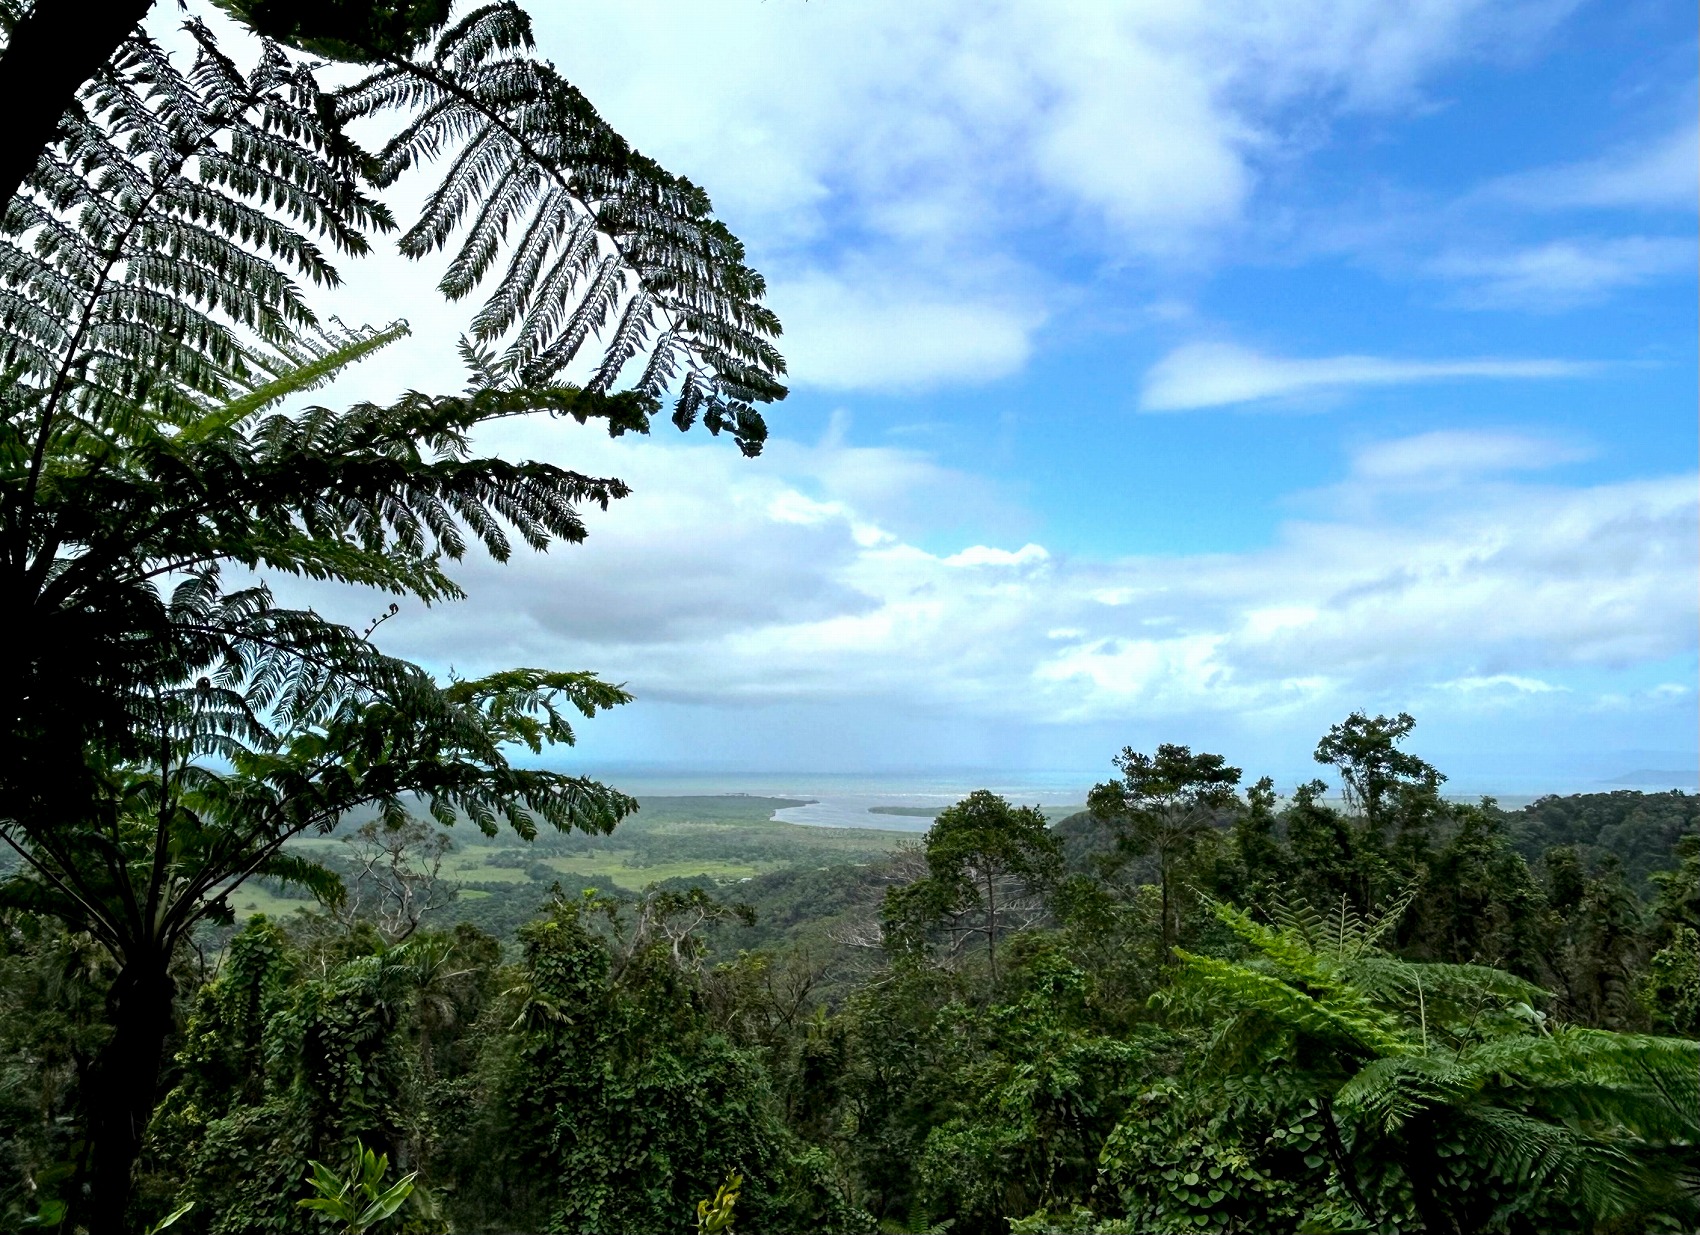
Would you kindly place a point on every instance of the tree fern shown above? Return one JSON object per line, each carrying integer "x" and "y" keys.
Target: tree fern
{"x": 168, "y": 732}
{"x": 577, "y": 235}
{"x": 202, "y": 726}
{"x": 1447, "y": 1077}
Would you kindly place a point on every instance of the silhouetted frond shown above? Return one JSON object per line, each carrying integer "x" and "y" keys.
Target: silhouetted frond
{"x": 574, "y": 234}
{"x": 162, "y": 245}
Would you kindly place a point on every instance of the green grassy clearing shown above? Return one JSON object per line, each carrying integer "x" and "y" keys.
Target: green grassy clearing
{"x": 725, "y": 838}
{"x": 252, "y": 898}
{"x": 615, "y": 867}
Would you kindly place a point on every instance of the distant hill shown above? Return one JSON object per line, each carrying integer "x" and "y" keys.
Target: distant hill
{"x": 1639, "y": 829}
{"x": 1646, "y": 777}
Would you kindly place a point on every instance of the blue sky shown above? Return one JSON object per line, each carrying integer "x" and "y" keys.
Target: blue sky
{"x": 1167, "y": 371}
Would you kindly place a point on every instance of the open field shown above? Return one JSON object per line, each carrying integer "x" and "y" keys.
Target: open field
{"x": 725, "y": 838}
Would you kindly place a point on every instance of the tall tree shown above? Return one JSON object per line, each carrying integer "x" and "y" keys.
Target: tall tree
{"x": 1376, "y": 776}
{"x": 987, "y": 862}
{"x": 1161, "y": 806}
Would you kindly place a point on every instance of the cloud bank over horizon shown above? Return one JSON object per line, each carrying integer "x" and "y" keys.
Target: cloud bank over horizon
{"x": 804, "y": 580}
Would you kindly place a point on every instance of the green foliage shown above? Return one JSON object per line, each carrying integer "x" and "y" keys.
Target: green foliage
{"x": 1638, "y": 829}
{"x": 989, "y": 865}
{"x": 168, "y": 733}
{"x": 1181, "y": 1162}
{"x": 54, "y": 986}
{"x": 608, "y": 243}
{"x": 714, "y": 1214}
{"x": 281, "y": 1068}
{"x": 1670, "y": 988}
{"x": 1374, "y": 772}
{"x": 1355, "y": 1061}
{"x": 1036, "y": 1093}
{"x": 1592, "y": 940}
{"x": 149, "y": 787}
{"x": 356, "y": 30}
{"x": 1480, "y": 902}
{"x": 357, "y": 1197}
{"x": 170, "y": 1219}
{"x": 1451, "y": 1090}
{"x": 613, "y": 1101}
{"x": 1163, "y": 805}
{"x": 1076, "y": 1220}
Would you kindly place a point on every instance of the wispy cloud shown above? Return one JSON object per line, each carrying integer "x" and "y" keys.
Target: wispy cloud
{"x": 914, "y": 140}
{"x": 1200, "y": 375}
{"x": 1502, "y": 682}
{"x": 1663, "y": 173}
{"x": 1453, "y": 454}
{"x": 1565, "y": 273}
{"x": 865, "y": 330}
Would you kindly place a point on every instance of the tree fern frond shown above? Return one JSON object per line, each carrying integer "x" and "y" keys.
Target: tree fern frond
{"x": 163, "y": 238}
{"x": 599, "y": 241}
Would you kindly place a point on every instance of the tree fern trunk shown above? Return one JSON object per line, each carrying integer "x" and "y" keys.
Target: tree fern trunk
{"x": 126, "y": 1080}
{"x": 1422, "y": 1168}
{"x": 53, "y": 51}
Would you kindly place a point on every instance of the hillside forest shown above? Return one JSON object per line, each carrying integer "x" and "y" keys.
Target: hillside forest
{"x": 1193, "y": 1005}
{"x": 300, "y": 935}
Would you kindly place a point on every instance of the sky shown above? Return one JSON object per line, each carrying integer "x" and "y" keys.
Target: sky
{"x": 1171, "y": 371}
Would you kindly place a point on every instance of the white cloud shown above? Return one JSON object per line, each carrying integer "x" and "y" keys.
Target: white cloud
{"x": 867, "y": 333}
{"x": 1661, "y": 174}
{"x": 1199, "y": 375}
{"x": 1502, "y": 682}
{"x": 724, "y": 580}
{"x": 1564, "y": 273}
{"x": 874, "y": 151}
{"x": 1451, "y": 455}
{"x": 985, "y": 555}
